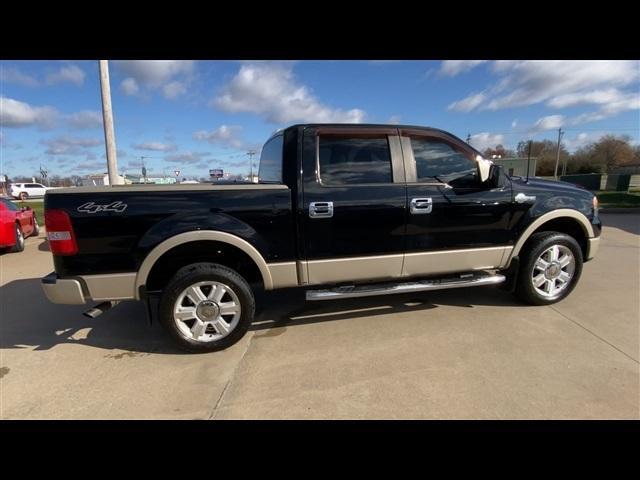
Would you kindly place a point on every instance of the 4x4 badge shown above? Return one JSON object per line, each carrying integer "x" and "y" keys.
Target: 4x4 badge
{"x": 91, "y": 207}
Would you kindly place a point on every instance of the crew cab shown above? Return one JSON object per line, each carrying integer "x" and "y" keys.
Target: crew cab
{"x": 340, "y": 210}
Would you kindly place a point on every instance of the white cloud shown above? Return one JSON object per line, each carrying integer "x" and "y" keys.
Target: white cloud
{"x": 394, "y": 119}
{"x": 85, "y": 119}
{"x": 484, "y": 140}
{"x": 70, "y": 145}
{"x": 451, "y": 68}
{"x": 186, "y": 157}
{"x": 129, "y": 86}
{"x": 173, "y": 89}
{"x": 14, "y": 75}
{"x": 14, "y": 113}
{"x": 224, "y": 135}
{"x": 271, "y": 91}
{"x": 69, "y": 73}
{"x": 550, "y": 122}
{"x": 169, "y": 76}
{"x": 560, "y": 84}
{"x": 469, "y": 103}
{"x": 155, "y": 146}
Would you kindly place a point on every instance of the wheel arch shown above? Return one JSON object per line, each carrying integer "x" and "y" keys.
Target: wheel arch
{"x": 198, "y": 236}
{"x": 564, "y": 220}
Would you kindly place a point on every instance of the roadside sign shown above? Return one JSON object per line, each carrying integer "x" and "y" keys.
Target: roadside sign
{"x": 177, "y": 172}
{"x": 216, "y": 173}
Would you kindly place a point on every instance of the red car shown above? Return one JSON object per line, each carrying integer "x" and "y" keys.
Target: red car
{"x": 16, "y": 224}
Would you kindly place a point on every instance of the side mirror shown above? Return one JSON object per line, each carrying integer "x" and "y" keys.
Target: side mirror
{"x": 496, "y": 174}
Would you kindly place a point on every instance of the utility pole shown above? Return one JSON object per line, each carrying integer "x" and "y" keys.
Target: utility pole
{"x": 469, "y": 138}
{"x": 560, "y": 133}
{"x": 107, "y": 117}
{"x": 251, "y": 153}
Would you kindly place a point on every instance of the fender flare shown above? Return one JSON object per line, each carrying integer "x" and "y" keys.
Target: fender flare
{"x": 553, "y": 215}
{"x": 187, "y": 237}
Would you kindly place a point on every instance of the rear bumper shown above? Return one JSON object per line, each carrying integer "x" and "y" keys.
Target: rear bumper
{"x": 79, "y": 290}
{"x": 592, "y": 247}
{"x": 62, "y": 290}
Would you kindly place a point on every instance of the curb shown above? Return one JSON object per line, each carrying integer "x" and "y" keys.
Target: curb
{"x": 628, "y": 210}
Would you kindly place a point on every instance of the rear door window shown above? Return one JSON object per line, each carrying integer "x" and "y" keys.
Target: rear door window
{"x": 352, "y": 160}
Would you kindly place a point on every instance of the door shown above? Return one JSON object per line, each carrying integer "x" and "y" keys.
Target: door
{"x": 455, "y": 223}
{"x": 354, "y": 204}
{"x": 35, "y": 190}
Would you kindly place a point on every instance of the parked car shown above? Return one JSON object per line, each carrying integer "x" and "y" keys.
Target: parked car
{"x": 16, "y": 224}
{"x": 28, "y": 190}
{"x": 340, "y": 210}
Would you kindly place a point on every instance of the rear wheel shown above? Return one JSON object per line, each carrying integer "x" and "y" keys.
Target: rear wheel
{"x": 206, "y": 307}
{"x": 19, "y": 245}
{"x": 36, "y": 227}
{"x": 550, "y": 268}
{"x": 23, "y": 195}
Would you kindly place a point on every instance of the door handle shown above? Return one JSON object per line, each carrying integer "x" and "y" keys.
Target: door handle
{"x": 421, "y": 205}
{"x": 523, "y": 198}
{"x": 321, "y": 209}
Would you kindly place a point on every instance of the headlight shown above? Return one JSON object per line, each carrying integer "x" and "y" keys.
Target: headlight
{"x": 595, "y": 205}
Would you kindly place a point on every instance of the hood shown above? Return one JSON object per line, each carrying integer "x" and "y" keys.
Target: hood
{"x": 549, "y": 184}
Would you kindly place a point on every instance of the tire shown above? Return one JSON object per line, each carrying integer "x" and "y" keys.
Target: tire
{"x": 36, "y": 227}
{"x": 23, "y": 195}
{"x": 19, "y": 245}
{"x": 200, "y": 330}
{"x": 549, "y": 269}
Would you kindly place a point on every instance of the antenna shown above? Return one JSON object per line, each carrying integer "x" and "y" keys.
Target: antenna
{"x": 528, "y": 162}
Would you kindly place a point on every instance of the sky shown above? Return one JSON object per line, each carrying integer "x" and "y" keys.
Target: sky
{"x": 193, "y": 116}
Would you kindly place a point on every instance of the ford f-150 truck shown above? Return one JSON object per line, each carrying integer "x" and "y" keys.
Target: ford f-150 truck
{"x": 339, "y": 210}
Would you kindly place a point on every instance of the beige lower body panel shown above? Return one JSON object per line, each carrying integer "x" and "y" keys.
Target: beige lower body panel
{"x": 379, "y": 267}
{"x": 113, "y": 286}
{"x": 592, "y": 248}
{"x": 451, "y": 261}
{"x": 283, "y": 274}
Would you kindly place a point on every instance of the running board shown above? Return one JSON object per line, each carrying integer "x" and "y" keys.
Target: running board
{"x": 352, "y": 291}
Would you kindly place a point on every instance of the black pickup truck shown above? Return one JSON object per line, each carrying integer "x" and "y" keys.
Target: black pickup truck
{"x": 340, "y": 210}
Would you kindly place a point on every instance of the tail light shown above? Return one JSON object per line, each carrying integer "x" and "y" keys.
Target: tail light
{"x": 62, "y": 240}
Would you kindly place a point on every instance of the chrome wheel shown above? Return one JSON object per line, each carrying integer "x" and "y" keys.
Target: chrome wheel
{"x": 207, "y": 311}
{"x": 553, "y": 271}
{"x": 19, "y": 238}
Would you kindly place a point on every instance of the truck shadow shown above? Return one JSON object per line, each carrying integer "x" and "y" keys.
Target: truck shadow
{"x": 29, "y": 320}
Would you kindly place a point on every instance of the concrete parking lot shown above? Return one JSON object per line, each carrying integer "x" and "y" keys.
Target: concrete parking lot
{"x": 471, "y": 353}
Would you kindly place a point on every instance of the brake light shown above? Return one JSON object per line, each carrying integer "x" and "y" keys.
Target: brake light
{"x": 62, "y": 240}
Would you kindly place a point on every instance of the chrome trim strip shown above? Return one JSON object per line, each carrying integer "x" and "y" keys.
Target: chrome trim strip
{"x": 410, "y": 287}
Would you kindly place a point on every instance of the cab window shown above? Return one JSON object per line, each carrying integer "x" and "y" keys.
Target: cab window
{"x": 439, "y": 160}
{"x": 349, "y": 160}
{"x": 270, "y": 170}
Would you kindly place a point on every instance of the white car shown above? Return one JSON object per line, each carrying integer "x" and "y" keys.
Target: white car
{"x": 27, "y": 190}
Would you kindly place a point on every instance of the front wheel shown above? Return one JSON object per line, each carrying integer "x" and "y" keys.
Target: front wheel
{"x": 206, "y": 307}
{"x": 550, "y": 268}
{"x": 36, "y": 227}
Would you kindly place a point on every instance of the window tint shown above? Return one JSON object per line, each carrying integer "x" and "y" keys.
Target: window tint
{"x": 436, "y": 158}
{"x": 33, "y": 185}
{"x": 271, "y": 161}
{"x": 349, "y": 160}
